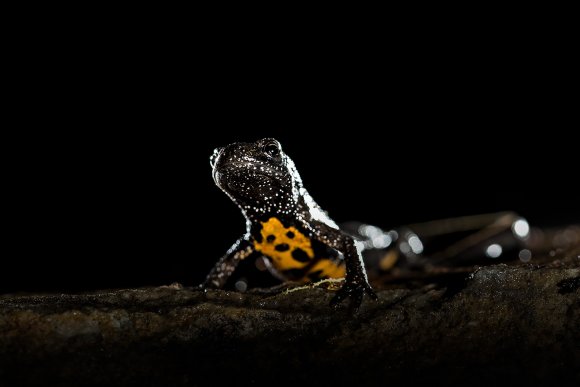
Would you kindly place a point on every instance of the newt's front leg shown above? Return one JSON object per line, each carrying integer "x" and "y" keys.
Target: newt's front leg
{"x": 356, "y": 281}
{"x": 220, "y": 273}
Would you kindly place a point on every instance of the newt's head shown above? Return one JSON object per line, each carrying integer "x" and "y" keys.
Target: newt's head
{"x": 258, "y": 176}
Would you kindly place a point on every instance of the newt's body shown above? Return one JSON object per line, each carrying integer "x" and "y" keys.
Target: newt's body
{"x": 284, "y": 224}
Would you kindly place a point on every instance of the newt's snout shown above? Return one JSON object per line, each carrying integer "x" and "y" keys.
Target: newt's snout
{"x": 216, "y": 153}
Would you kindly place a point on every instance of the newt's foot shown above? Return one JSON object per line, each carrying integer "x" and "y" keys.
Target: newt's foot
{"x": 355, "y": 290}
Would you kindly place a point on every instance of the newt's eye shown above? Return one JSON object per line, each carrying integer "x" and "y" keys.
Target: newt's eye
{"x": 272, "y": 149}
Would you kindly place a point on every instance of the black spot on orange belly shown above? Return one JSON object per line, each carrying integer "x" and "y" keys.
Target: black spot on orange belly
{"x": 282, "y": 247}
{"x": 300, "y": 255}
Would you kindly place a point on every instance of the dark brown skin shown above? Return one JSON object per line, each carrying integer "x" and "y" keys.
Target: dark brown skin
{"x": 284, "y": 224}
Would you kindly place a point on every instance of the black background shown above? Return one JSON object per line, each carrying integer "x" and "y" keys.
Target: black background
{"x": 110, "y": 179}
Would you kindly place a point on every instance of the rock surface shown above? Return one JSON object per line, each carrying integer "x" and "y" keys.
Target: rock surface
{"x": 501, "y": 323}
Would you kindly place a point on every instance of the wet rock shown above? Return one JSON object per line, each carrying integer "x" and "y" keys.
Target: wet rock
{"x": 504, "y": 323}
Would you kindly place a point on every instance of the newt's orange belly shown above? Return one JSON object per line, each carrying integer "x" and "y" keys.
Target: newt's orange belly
{"x": 289, "y": 249}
